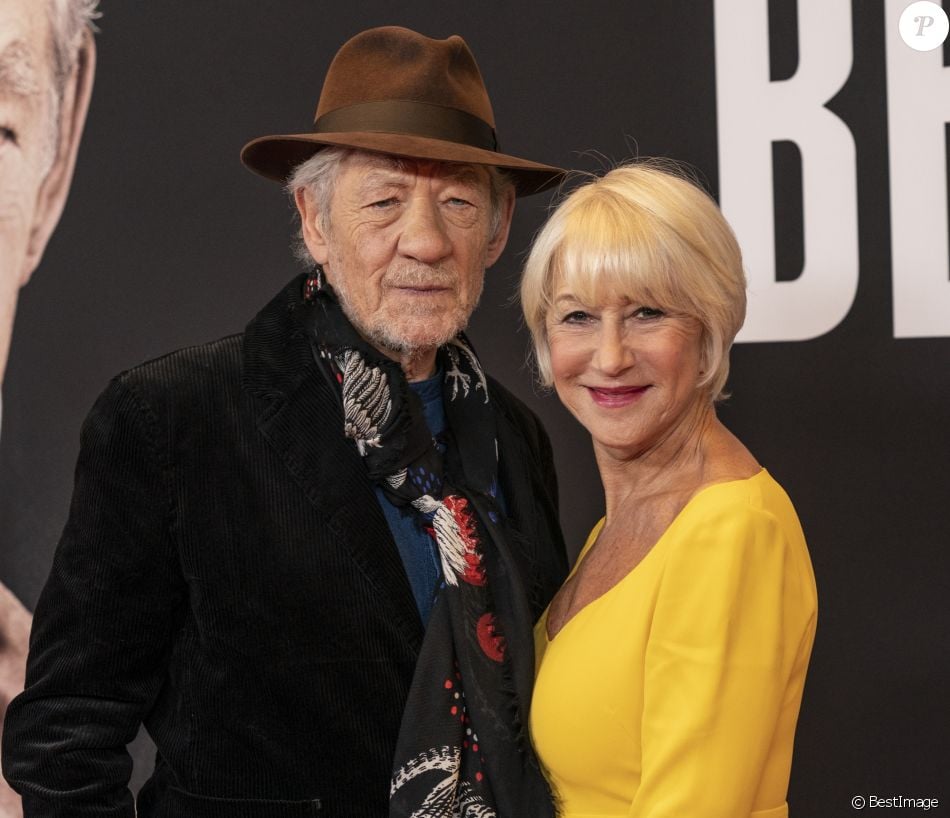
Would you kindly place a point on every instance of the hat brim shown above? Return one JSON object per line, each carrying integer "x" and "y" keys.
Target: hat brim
{"x": 275, "y": 157}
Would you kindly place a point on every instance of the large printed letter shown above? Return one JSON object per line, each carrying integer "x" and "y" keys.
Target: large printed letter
{"x": 918, "y": 108}
{"x": 753, "y": 113}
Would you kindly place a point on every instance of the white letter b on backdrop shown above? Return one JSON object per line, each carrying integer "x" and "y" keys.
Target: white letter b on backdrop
{"x": 754, "y": 112}
{"x": 918, "y": 108}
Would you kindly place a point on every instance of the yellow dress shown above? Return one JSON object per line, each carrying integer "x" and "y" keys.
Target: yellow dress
{"x": 675, "y": 694}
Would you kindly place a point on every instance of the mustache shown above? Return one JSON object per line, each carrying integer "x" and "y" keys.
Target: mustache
{"x": 421, "y": 275}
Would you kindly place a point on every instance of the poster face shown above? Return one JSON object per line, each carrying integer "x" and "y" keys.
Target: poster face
{"x": 821, "y": 132}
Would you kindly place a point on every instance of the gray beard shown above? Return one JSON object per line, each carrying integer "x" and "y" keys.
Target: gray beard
{"x": 382, "y": 337}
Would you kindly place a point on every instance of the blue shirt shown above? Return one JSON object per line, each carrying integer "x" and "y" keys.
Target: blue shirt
{"x": 418, "y": 550}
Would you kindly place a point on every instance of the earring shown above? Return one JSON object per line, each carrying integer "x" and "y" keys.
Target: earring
{"x": 314, "y": 283}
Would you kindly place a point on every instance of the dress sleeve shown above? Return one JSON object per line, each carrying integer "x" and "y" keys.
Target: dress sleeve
{"x": 714, "y": 676}
{"x": 103, "y": 624}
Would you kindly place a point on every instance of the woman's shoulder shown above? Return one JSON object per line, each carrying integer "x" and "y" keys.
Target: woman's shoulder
{"x": 747, "y": 494}
{"x": 737, "y": 522}
{"x": 741, "y": 529}
{"x": 723, "y": 500}
{"x": 753, "y": 510}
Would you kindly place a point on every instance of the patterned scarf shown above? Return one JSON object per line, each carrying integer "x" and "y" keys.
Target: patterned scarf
{"x": 462, "y": 750}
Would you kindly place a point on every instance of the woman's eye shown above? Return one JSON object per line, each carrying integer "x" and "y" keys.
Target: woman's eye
{"x": 576, "y": 317}
{"x": 649, "y": 312}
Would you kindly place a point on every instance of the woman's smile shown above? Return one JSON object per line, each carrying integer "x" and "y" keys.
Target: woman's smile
{"x": 616, "y": 397}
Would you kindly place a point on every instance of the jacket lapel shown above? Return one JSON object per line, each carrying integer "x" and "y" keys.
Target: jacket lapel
{"x": 302, "y": 420}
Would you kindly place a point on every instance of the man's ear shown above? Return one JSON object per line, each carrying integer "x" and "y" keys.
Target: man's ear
{"x": 497, "y": 242}
{"x": 52, "y": 194}
{"x": 313, "y": 234}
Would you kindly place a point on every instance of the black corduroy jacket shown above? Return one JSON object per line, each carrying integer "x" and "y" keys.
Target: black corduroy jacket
{"x": 227, "y": 578}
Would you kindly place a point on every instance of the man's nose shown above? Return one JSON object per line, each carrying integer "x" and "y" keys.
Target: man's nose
{"x": 424, "y": 237}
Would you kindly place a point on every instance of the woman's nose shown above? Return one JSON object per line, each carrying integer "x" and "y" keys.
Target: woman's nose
{"x": 614, "y": 353}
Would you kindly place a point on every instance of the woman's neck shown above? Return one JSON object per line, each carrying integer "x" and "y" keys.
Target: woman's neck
{"x": 676, "y": 465}
{"x": 668, "y": 475}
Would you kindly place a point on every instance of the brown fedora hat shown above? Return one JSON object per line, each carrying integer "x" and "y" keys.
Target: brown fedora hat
{"x": 394, "y": 91}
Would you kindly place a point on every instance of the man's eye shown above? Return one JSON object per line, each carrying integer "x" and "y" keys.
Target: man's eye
{"x": 457, "y": 201}
{"x": 384, "y": 203}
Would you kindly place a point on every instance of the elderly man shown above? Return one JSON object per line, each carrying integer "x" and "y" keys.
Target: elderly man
{"x": 47, "y": 59}
{"x": 308, "y": 557}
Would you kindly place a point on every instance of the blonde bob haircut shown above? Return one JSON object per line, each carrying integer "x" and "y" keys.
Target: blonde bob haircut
{"x": 646, "y": 233}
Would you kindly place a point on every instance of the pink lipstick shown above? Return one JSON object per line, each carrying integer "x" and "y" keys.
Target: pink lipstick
{"x": 616, "y": 397}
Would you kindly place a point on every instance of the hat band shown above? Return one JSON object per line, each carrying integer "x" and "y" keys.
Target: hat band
{"x": 408, "y": 117}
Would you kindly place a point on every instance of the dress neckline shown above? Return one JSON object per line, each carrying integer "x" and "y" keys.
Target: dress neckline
{"x": 595, "y": 532}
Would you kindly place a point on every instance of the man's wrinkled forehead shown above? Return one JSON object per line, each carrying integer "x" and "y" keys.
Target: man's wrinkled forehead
{"x": 379, "y": 166}
{"x": 25, "y": 48}
{"x": 19, "y": 70}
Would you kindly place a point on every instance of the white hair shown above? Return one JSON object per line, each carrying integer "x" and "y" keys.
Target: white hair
{"x": 318, "y": 174}
{"x": 68, "y": 19}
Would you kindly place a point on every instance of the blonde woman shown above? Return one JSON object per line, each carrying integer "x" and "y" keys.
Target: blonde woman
{"x": 672, "y": 661}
